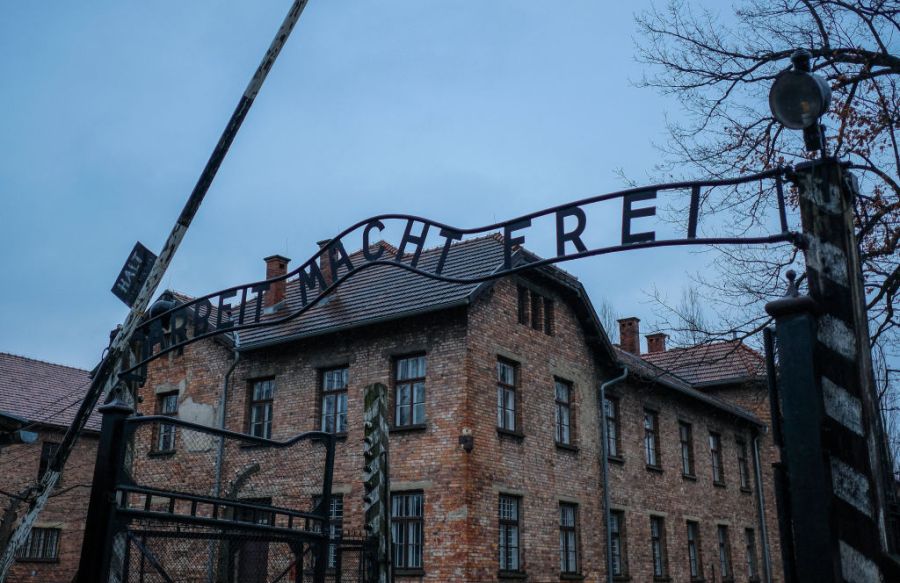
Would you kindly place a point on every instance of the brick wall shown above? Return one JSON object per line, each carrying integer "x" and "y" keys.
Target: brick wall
{"x": 66, "y": 509}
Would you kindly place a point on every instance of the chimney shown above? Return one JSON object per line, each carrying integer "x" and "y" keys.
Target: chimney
{"x": 325, "y": 262}
{"x": 630, "y": 335}
{"x": 656, "y": 342}
{"x": 276, "y": 265}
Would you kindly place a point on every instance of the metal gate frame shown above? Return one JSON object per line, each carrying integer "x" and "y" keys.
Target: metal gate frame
{"x": 109, "y": 512}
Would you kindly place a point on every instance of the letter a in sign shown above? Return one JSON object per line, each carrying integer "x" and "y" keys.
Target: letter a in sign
{"x": 133, "y": 274}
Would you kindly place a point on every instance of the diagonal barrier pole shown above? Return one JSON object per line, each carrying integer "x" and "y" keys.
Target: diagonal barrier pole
{"x": 106, "y": 375}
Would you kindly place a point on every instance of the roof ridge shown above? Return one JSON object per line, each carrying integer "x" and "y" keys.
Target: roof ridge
{"x": 44, "y": 362}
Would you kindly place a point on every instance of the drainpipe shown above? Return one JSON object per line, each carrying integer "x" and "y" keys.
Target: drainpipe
{"x": 220, "y": 453}
{"x": 605, "y": 465}
{"x": 761, "y": 506}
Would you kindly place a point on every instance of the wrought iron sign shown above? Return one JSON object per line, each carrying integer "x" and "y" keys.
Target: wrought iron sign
{"x": 241, "y": 307}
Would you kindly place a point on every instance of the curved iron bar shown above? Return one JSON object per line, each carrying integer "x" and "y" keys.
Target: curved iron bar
{"x": 785, "y": 236}
{"x": 146, "y": 419}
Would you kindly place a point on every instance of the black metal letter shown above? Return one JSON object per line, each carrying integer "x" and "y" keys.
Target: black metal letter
{"x": 575, "y": 235}
{"x": 509, "y": 240}
{"x": 337, "y": 256}
{"x": 260, "y": 290}
{"x": 309, "y": 280}
{"x": 695, "y": 212}
{"x": 202, "y": 310}
{"x": 225, "y": 308}
{"x": 376, "y": 224}
{"x": 450, "y": 235}
{"x": 628, "y": 214}
{"x": 417, "y": 240}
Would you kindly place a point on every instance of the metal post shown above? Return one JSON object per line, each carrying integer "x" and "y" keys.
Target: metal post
{"x": 838, "y": 471}
{"x": 100, "y": 527}
{"x": 325, "y": 512}
{"x": 861, "y": 469}
{"x": 106, "y": 376}
{"x": 377, "y": 479}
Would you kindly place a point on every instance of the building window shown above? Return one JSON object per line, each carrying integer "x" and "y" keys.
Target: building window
{"x": 407, "y": 529}
{"x": 522, "y": 304}
{"x": 507, "y": 381}
{"x": 695, "y": 561}
{"x": 535, "y": 310}
{"x": 548, "y": 317}
{"x": 536, "y": 304}
{"x": 658, "y": 546}
{"x": 724, "y": 552}
{"x": 750, "y": 544}
{"x": 568, "y": 538}
{"x": 336, "y": 526}
{"x": 651, "y": 438}
{"x": 261, "y": 395}
{"x": 334, "y": 400}
{"x": 409, "y": 391}
{"x": 167, "y": 405}
{"x": 509, "y": 533}
{"x": 743, "y": 464}
{"x": 42, "y": 545}
{"x": 563, "y": 412}
{"x": 686, "y": 436}
{"x": 613, "y": 433}
{"x": 48, "y": 450}
{"x": 715, "y": 453}
{"x": 617, "y": 543}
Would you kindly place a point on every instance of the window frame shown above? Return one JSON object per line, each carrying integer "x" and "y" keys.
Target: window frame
{"x": 658, "y": 547}
{"x": 411, "y": 383}
{"x": 688, "y": 464}
{"x": 24, "y": 555}
{"x": 651, "y": 438}
{"x": 723, "y": 545}
{"x": 523, "y": 308}
{"x": 164, "y": 431}
{"x": 569, "y": 407}
{"x": 537, "y": 310}
{"x": 613, "y": 421}
{"x": 325, "y": 393}
{"x": 403, "y": 566}
{"x": 335, "y": 527}
{"x": 568, "y": 541}
{"x": 549, "y": 316}
{"x": 619, "y": 535}
{"x": 751, "y": 557}
{"x": 267, "y": 404}
{"x": 717, "y": 465}
{"x": 694, "y": 550}
{"x": 508, "y": 523}
{"x": 743, "y": 464}
{"x": 502, "y": 402}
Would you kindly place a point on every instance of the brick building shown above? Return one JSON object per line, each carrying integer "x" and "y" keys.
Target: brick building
{"x": 516, "y": 363}
{"x": 42, "y": 398}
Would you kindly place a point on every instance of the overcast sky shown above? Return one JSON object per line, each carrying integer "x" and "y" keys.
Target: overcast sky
{"x": 463, "y": 112}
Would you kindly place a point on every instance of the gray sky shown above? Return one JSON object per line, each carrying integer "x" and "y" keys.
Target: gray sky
{"x": 464, "y": 112}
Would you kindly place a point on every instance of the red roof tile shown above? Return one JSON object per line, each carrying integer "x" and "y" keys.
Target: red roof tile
{"x": 42, "y": 392}
{"x": 714, "y": 363}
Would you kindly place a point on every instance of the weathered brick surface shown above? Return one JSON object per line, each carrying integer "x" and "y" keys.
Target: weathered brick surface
{"x": 461, "y": 489}
{"x": 66, "y": 509}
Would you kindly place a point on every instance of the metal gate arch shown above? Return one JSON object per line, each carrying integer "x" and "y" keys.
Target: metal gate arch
{"x": 162, "y": 508}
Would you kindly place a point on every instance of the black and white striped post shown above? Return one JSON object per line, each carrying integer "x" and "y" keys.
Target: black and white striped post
{"x": 377, "y": 481}
{"x": 834, "y": 454}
